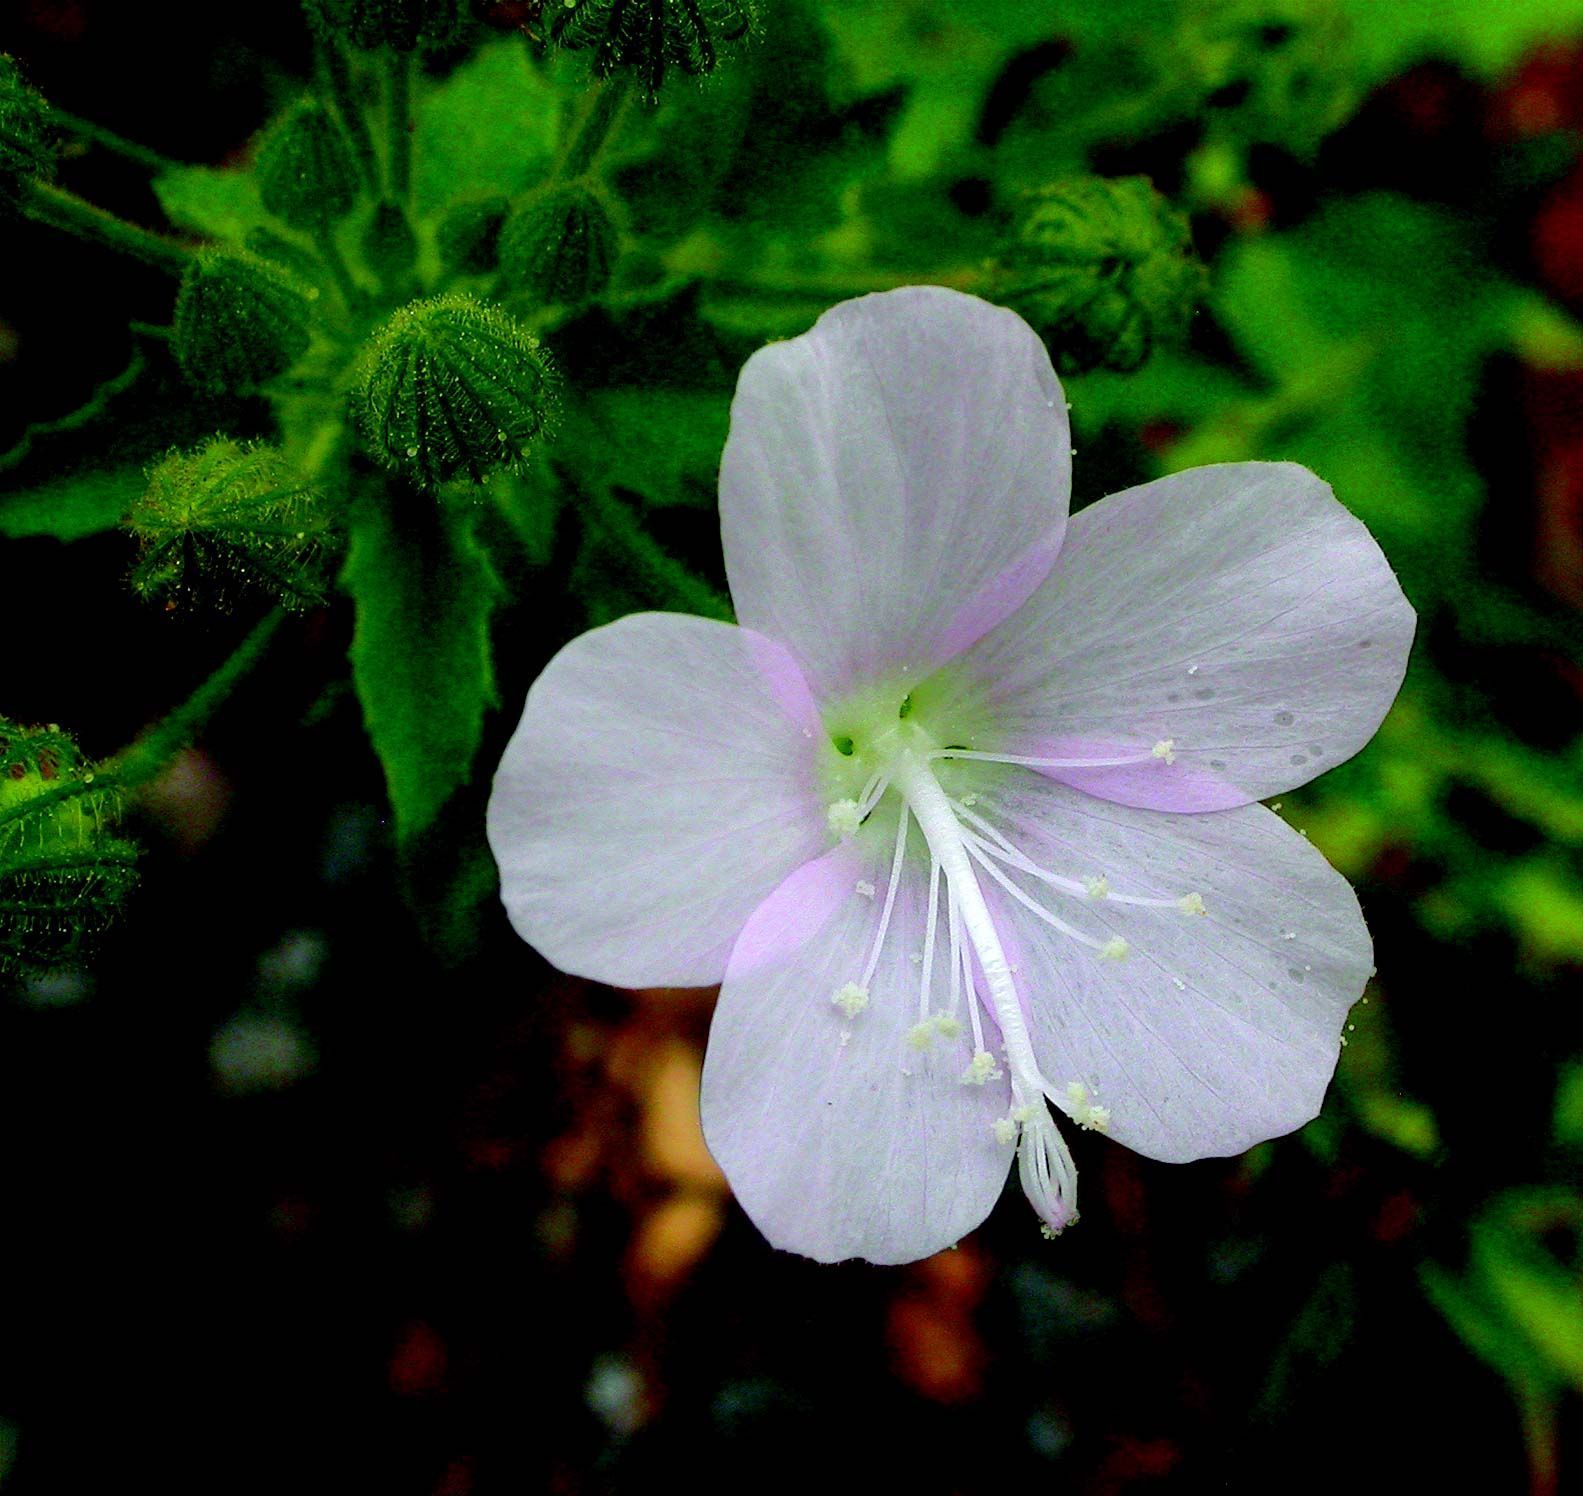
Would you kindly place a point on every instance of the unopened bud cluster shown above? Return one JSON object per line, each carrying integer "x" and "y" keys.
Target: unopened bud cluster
{"x": 63, "y": 875}
{"x": 227, "y": 519}
{"x": 1104, "y": 268}
{"x": 559, "y": 248}
{"x": 240, "y": 321}
{"x": 649, "y": 38}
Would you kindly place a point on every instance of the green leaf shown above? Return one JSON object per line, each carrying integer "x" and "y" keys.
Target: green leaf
{"x": 424, "y": 591}
{"x": 83, "y": 503}
{"x": 491, "y": 126}
{"x": 663, "y": 445}
{"x": 1517, "y": 1271}
{"x": 218, "y": 203}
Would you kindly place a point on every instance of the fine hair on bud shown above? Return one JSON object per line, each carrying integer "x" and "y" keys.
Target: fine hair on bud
{"x": 1104, "y": 269}
{"x": 27, "y": 147}
{"x": 650, "y": 38}
{"x": 307, "y": 174}
{"x": 240, "y": 321}
{"x": 560, "y": 247}
{"x": 227, "y": 520}
{"x": 63, "y": 875}
{"x": 452, "y": 387}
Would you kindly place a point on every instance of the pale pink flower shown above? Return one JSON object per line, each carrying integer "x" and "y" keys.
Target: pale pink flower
{"x": 963, "y": 815}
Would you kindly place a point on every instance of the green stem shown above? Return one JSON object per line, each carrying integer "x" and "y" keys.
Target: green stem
{"x": 86, "y": 129}
{"x": 336, "y": 74}
{"x": 398, "y": 120}
{"x": 340, "y": 271}
{"x": 661, "y": 572}
{"x": 596, "y": 127}
{"x": 48, "y": 204}
{"x": 145, "y": 758}
{"x": 94, "y": 407}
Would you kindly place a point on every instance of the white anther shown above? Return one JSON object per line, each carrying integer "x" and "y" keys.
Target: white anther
{"x": 945, "y": 1025}
{"x": 921, "y": 1035}
{"x": 983, "y": 1068}
{"x": 1006, "y": 1129}
{"x": 1113, "y": 949}
{"x": 1191, "y": 903}
{"x": 844, "y": 817}
{"x": 1096, "y": 888}
{"x": 1077, "y": 1095}
{"x": 1192, "y": 669}
{"x": 851, "y": 999}
{"x": 1166, "y": 749}
{"x": 866, "y": 888}
{"x": 1098, "y": 1119}
{"x": 970, "y": 798}
{"x": 1181, "y": 986}
{"x": 1022, "y": 1114}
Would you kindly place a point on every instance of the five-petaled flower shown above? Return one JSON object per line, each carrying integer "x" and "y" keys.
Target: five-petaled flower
{"x": 963, "y": 816}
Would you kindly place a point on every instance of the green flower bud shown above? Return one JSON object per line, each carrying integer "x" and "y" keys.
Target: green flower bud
{"x": 1279, "y": 72}
{"x": 452, "y": 387}
{"x": 389, "y": 244}
{"x": 307, "y": 175}
{"x": 468, "y": 237}
{"x": 63, "y": 877}
{"x": 403, "y": 25}
{"x": 227, "y": 519}
{"x": 27, "y": 150}
{"x": 1103, "y": 268}
{"x": 560, "y": 246}
{"x": 240, "y": 321}
{"x": 647, "y": 37}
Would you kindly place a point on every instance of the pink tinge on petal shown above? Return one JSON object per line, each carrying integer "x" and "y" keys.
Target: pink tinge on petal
{"x": 783, "y": 680}
{"x": 783, "y": 925}
{"x": 996, "y": 601}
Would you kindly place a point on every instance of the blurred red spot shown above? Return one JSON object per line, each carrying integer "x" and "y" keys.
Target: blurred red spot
{"x": 417, "y": 1365}
{"x": 458, "y": 1478}
{"x": 1397, "y": 1217}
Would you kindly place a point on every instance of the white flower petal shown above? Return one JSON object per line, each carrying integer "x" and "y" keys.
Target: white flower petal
{"x": 1216, "y": 1029}
{"x": 895, "y": 483}
{"x": 660, "y": 784}
{"x": 839, "y": 1137}
{"x": 1238, "y": 614}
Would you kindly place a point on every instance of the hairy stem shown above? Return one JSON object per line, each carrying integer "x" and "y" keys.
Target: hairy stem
{"x": 398, "y": 121}
{"x": 335, "y": 74}
{"x": 48, "y": 204}
{"x": 86, "y": 129}
{"x": 340, "y": 271}
{"x": 595, "y": 129}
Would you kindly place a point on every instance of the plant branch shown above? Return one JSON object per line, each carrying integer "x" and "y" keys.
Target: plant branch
{"x": 398, "y": 121}
{"x": 87, "y": 130}
{"x": 48, "y": 204}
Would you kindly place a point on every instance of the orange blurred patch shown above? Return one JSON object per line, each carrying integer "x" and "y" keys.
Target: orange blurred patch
{"x": 669, "y": 1243}
{"x": 672, "y": 1134}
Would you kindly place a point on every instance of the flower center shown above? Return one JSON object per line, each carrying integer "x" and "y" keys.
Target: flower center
{"x": 885, "y": 745}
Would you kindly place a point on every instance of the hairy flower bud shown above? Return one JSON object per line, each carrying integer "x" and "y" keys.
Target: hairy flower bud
{"x": 26, "y": 149}
{"x": 468, "y": 237}
{"x": 451, "y": 388}
{"x": 239, "y": 322}
{"x": 560, "y": 246}
{"x": 62, "y": 876}
{"x": 1103, "y": 268}
{"x": 402, "y": 25}
{"x": 649, "y": 37}
{"x": 307, "y": 175}
{"x": 225, "y": 519}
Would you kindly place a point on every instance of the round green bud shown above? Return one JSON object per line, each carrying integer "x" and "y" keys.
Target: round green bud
{"x": 649, "y": 37}
{"x": 27, "y": 149}
{"x": 1103, "y": 268}
{"x": 227, "y": 519}
{"x": 389, "y": 244}
{"x": 468, "y": 237}
{"x": 450, "y": 388}
{"x": 1277, "y": 72}
{"x": 402, "y": 25}
{"x": 559, "y": 247}
{"x": 239, "y": 322}
{"x": 307, "y": 175}
{"x": 63, "y": 877}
